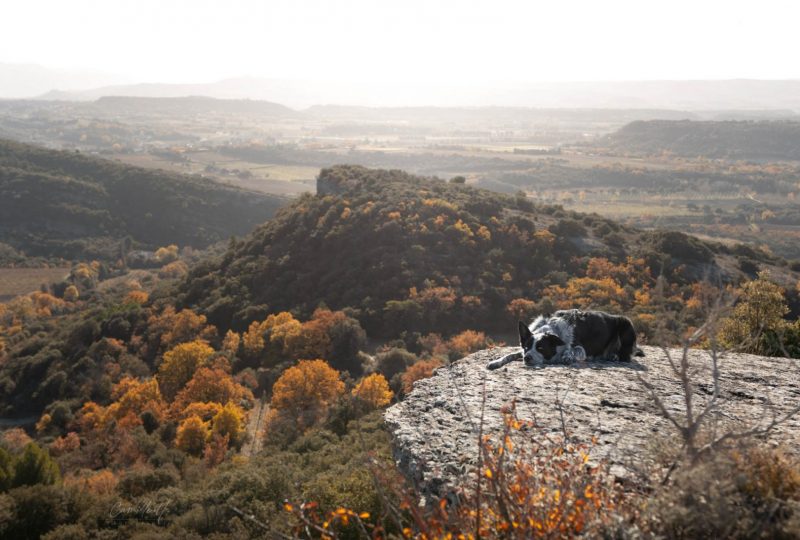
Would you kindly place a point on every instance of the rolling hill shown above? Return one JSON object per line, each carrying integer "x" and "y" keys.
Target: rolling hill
{"x": 406, "y": 253}
{"x": 748, "y": 140}
{"x": 65, "y": 204}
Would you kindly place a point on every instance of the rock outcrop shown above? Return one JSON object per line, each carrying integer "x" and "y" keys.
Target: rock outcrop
{"x": 435, "y": 428}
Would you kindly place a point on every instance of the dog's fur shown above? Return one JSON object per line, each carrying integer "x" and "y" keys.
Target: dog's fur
{"x": 572, "y": 335}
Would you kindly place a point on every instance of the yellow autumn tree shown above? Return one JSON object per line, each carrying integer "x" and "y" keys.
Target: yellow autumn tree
{"x": 757, "y": 320}
{"x": 205, "y": 410}
{"x": 180, "y": 364}
{"x": 211, "y": 385}
{"x": 230, "y": 344}
{"x": 191, "y": 435}
{"x": 253, "y": 339}
{"x": 230, "y": 421}
{"x": 373, "y": 391}
{"x": 71, "y": 293}
{"x": 274, "y": 336}
{"x": 173, "y": 327}
{"x": 304, "y": 392}
{"x": 166, "y": 254}
{"x": 133, "y": 397}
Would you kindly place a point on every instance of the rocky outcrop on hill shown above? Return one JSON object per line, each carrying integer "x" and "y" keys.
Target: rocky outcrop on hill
{"x": 435, "y": 428}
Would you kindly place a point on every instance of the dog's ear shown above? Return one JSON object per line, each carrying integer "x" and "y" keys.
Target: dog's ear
{"x": 524, "y": 334}
{"x": 554, "y": 339}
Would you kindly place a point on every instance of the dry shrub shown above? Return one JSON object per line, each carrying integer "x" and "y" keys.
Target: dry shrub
{"x": 527, "y": 485}
{"x": 750, "y": 492}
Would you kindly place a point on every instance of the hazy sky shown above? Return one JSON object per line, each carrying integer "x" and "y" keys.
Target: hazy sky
{"x": 419, "y": 41}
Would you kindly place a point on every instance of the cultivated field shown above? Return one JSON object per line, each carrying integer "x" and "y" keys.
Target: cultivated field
{"x": 16, "y": 281}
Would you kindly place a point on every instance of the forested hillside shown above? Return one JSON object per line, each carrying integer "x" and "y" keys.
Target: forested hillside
{"x": 405, "y": 253}
{"x": 65, "y": 204}
{"x": 764, "y": 140}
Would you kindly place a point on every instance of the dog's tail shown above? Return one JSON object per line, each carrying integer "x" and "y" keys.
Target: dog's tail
{"x": 638, "y": 352}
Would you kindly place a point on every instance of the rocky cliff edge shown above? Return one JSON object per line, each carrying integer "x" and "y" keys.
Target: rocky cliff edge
{"x": 435, "y": 428}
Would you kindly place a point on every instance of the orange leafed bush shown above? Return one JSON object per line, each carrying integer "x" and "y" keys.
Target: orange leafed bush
{"x": 65, "y": 444}
{"x": 421, "y": 370}
{"x": 373, "y": 391}
{"x": 467, "y": 342}
{"x": 136, "y": 297}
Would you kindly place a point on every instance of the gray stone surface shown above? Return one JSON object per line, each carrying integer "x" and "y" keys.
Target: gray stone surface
{"x": 435, "y": 428}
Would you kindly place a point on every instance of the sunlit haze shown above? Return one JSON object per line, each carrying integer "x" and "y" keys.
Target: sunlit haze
{"x": 415, "y": 41}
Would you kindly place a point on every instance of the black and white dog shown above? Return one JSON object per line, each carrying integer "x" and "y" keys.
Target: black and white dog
{"x": 574, "y": 336}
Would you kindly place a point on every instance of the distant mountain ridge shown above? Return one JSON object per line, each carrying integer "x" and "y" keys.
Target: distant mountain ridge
{"x": 29, "y": 80}
{"x": 192, "y": 105}
{"x": 738, "y": 94}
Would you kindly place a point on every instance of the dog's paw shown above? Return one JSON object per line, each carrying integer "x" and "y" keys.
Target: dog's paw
{"x": 500, "y": 362}
{"x": 574, "y": 355}
{"x": 578, "y": 354}
{"x": 496, "y": 364}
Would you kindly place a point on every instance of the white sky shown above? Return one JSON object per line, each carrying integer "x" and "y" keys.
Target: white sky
{"x": 417, "y": 41}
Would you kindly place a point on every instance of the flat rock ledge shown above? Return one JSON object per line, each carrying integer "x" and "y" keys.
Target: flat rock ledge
{"x": 435, "y": 428}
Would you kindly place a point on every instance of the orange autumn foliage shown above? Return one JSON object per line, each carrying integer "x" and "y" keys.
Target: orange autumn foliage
{"x": 305, "y": 391}
{"x": 180, "y": 364}
{"x": 136, "y": 297}
{"x": 133, "y": 397}
{"x": 373, "y": 391}
{"x": 468, "y": 342}
{"x": 230, "y": 343}
{"x": 229, "y": 422}
{"x": 273, "y": 335}
{"x": 211, "y": 385}
{"x": 421, "y": 370}
{"x": 65, "y": 444}
{"x": 205, "y": 411}
{"x": 181, "y": 327}
{"x": 521, "y": 309}
{"x": 191, "y": 435}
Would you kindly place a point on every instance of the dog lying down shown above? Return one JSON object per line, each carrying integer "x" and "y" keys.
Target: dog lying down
{"x": 571, "y": 336}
